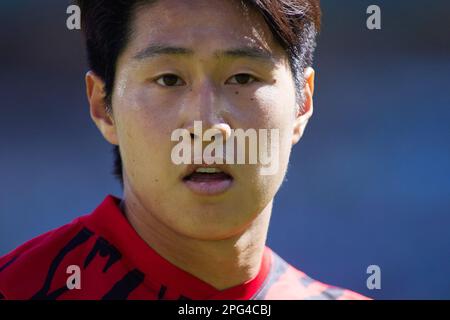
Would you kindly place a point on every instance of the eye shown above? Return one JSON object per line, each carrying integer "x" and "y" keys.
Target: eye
{"x": 242, "y": 79}
{"x": 169, "y": 80}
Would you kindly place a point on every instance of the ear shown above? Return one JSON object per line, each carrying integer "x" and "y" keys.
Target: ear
{"x": 305, "y": 111}
{"x": 95, "y": 89}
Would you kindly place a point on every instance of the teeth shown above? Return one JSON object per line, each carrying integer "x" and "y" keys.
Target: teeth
{"x": 208, "y": 170}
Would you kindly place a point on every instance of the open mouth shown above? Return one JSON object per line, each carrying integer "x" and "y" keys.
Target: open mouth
{"x": 208, "y": 180}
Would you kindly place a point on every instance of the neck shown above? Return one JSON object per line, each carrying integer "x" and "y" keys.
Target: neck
{"x": 238, "y": 257}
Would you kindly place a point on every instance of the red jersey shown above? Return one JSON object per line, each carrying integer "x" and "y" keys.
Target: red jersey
{"x": 115, "y": 263}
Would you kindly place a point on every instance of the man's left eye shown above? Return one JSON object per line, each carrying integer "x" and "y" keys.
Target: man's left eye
{"x": 242, "y": 79}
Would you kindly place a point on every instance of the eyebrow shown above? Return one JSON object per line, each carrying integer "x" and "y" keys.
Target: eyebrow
{"x": 159, "y": 50}
{"x": 154, "y": 51}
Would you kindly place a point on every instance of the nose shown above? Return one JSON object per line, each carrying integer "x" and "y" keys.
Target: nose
{"x": 205, "y": 108}
{"x": 222, "y": 129}
{"x": 217, "y": 130}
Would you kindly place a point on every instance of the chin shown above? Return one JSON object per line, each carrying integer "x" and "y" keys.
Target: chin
{"x": 216, "y": 222}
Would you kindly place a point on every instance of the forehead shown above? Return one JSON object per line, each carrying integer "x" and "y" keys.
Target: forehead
{"x": 203, "y": 25}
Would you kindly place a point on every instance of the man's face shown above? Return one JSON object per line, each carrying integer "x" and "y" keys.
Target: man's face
{"x": 157, "y": 91}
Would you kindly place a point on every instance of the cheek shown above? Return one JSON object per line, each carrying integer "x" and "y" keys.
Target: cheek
{"x": 143, "y": 116}
{"x": 144, "y": 134}
{"x": 277, "y": 107}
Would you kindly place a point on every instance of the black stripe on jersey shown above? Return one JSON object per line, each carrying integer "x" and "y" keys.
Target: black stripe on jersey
{"x": 122, "y": 288}
{"x": 6, "y": 265}
{"x": 162, "y": 292}
{"x": 306, "y": 281}
{"x": 105, "y": 249}
{"x": 327, "y": 294}
{"x": 333, "y": 293}
{"x": 76, "y": 241}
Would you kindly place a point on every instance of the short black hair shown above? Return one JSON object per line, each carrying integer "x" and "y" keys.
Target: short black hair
{"x": 106, "y": 25}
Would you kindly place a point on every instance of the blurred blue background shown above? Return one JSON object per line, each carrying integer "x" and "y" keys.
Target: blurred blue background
{"x": 368, "y": 184}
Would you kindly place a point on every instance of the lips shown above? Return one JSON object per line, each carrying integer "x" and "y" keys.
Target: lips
{"x": 207, "y": 179}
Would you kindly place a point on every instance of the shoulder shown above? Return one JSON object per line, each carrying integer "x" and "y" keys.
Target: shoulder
{"x": 23, "y": 269}
{"x": 285, "y": 282}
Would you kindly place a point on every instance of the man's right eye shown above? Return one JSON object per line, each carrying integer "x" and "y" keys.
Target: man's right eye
{"x": 169, "y": 80}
